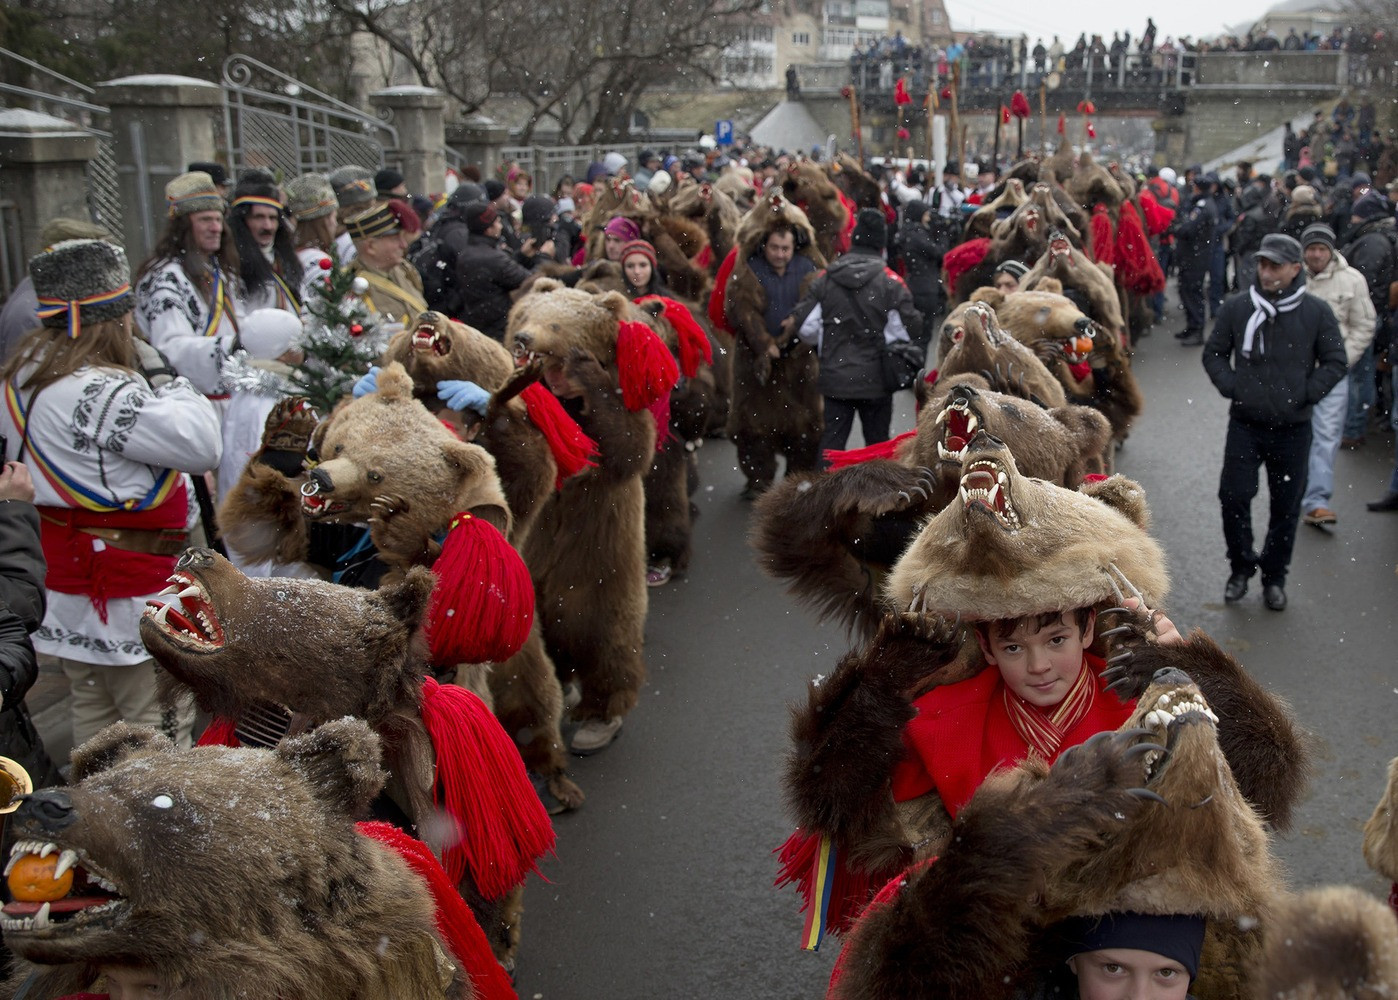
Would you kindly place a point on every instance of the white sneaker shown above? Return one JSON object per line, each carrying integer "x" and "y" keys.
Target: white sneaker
{"x": 594, "y": 735}
{"x": 572, "y": 695}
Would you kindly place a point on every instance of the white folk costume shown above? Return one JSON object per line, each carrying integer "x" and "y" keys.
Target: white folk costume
{"x": 194, "y": 331}
{"x": 109, "y": 455}
{"x": 276, "y": 287}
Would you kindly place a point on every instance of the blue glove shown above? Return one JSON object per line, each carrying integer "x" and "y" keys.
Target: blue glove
{"x": 459, "y": 395}
{"x": 367, "y": 383}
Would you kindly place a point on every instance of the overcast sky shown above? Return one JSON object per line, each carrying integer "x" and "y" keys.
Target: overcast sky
{"x": 1194, "y": 18}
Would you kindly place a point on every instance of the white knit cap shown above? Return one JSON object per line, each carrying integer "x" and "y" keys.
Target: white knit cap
{"x": 614, "y": 163}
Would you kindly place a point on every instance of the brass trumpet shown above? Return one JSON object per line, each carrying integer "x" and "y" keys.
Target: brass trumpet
{"x": 15, "y": 783}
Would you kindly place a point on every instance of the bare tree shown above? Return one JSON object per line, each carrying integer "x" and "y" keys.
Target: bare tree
{"x": 583, "y": 66}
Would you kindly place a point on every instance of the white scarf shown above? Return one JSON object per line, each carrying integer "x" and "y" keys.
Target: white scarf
{"x": 1263, "y": 311}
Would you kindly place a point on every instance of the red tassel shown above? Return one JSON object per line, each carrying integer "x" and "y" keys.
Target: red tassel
{"x": 1137, "y": 269}
{"x": 842, "y": 243}
{"x": 1019, "y": 105}
{"x": 718, "y": 296}
{"x": 900, "y": 92}
{"x": 1062, "y": 123}
{"x": 694, "y": 343}
{"x": 648, "y": 370}
{"x": 854, "y": 456}
{"x": 961, "y": 258}
{"x": 483, "y": 603}
{"x": 572, "y": 449}
{"x": 1004, "y": 115}
{"x": 1091, "y": 132}
{"x": 1100, "y": 226}
{"x": 851, "y": 890}
{"x": 221, "y": 733}
{"x": 456, "y": 924}
{"x": 502, "y": 827}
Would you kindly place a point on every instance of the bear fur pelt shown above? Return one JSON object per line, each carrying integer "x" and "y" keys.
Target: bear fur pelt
{"x": 976, "y": 343}
{"x": 586, "y": 550}
{"x": 718, "y": 212}
{"x": 1075, "y": 271}
{"x": 807, "y": 186}
{"x": 620, "y": 198}
{"x": 274, "y": 657}
{"x": 776, "y": 408}
{"x": 834, "y": 536}
{"x": 1149, "y": 819}
{"x": 233, "y": 873}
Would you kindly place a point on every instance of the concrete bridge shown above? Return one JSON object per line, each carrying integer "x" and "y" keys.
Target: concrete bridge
{"x": 1202, "y": 104}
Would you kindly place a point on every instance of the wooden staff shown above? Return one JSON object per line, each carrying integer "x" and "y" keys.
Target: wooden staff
{"x": 854, "y": 122}
{"x": 958, "y": 134}
{"x": 1043, "y": 117}
{"x": 995, "y": 147}
{"x": 931, "y": 113}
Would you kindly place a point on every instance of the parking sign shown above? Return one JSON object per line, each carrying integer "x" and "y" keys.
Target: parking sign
{"x": 723, "y": 132}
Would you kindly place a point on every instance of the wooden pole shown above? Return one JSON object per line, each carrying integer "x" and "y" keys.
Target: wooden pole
{"x": 854, "y": 123}
{"x": 931, "y": 113}
{"x": 995, "y": 146}
{"x": 1043, "y": 118}
{"x": 958, "y": 135}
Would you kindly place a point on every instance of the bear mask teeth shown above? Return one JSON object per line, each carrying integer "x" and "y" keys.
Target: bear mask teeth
{"x": 185, "y": 612}
{"x": 89, "y": 896}
{"x": 987, "y": 485}
{"x": 959, "y": 425}
{"x": 429, "y": 338}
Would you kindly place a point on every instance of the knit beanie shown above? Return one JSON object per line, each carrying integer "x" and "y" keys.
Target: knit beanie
{"x": 537, "y": 212}
{"x": 1372, "y": 205}
{"x": 565, "y": 205}
{"x": 479, "y": 216}
{"x": 1014, "y": 268}
{"x": 614, "y": 163}
{"x": 623, "y": 229}
{"x": 639, "y": 247}
{"x": 1177, "y": 936}
{"x": 353, "y": 185}
{"x": 659, "y": 183}
{"x": 870, "y": 231}
{"x": 465, "y": 193}
{"x": 81, "y": 281}
{"x": 386, "y": 180}
{"x": 494, "y": 189}
{"x": 1318, "y": 232}
{"x": 193, "y": 192}
{"x": 310, "y": 196}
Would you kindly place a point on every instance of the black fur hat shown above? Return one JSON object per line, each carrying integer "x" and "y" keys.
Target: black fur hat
{"x": 68, "y": 274}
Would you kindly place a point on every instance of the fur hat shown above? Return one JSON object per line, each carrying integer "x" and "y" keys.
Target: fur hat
{"x": 311, "y": 196}
{"x": 353, "y": 185}
{"x": 266, "y": 334}
{"x": 217, "y": 171}
{"x": 193, "y": 192}
{"x": 377, "y": 220}
{"x": 81, "y": 281}
{"x": 639, "y": 247}
{"x": 1009, "y": 546}
{"x": 870, "y": 230}
{"x": 1303, "y": 194}
{"x": 59, "y": 229}
{"x": 386, "y": 180}
{"x": 406, "y": 215}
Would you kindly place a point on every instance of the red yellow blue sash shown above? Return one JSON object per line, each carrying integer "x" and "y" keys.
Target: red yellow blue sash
{"x": 822, "y": 887}
{"x": 49, "y": 307}
{"x": 219, "y": 305}
{"x": 77, "y": 494}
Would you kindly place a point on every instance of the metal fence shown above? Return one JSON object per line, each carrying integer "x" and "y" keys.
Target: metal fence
{"x": 276, "y": 122}
{"x": 12, "y": 263}
{"x": 55, "y": 94}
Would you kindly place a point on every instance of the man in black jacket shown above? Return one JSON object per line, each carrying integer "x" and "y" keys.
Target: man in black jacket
{"x": 1275, "y": 351}
{"x": 922, "y": 242}
{"x": 849, "y": 314}
{"x": 486, "y": 274}
{"x": 1371, "y": 250}
{"x": 1193, "y": 230}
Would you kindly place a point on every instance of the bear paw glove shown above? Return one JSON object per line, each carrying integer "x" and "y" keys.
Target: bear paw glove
{"x": 463, "y": 395}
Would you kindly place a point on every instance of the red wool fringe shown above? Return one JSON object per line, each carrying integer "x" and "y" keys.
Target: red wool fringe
{"x": 716, "y": 297}
{"x": 456, "y": 924}
{"x": 483, "y": 603}
{"x": 572, "y": 449}
{"x": 694, "y": 343}
{"x": 961, "y": 258}
{"x": 219, "y": 734}
{"x": 842, "y": 242}
{"x": 850, "y": 893}
{"x": 1158, "y": 216}
{"x": 1137, "y": 269}
{"x": 1100, "y": 228}
{"x": 854, "y": 456}
{"x": 648, "y": 370}
{"x": 502, "y": 827}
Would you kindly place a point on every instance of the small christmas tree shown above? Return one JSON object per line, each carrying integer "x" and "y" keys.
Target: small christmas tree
{"x": 341, "y": 339}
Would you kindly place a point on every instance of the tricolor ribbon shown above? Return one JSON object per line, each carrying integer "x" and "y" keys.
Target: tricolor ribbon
{"x": 257, "y": 199}
{"x": 822, "y": 888}
{"x": 77, "y": 494}
{"x": 50, "y": 307}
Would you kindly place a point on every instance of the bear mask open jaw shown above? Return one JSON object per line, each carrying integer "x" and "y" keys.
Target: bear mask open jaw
{"x": 986, "y": 486}
{"x": 959, "y": 424}
{"x": 184, "y": 614}
{"x": 428, "y": 338}
{"x": 1059, "y": 246}
{"x": 92, "y": 900}
{"x": 314, "y": 505}
{"x": 1171, "y": 717}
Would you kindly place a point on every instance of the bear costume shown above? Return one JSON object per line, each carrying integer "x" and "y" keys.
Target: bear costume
{"x": 233, "y": 873}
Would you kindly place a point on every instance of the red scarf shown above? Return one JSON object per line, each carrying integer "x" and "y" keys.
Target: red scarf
{"x": 1044, "y": 730}
{"x": 79, "y": 563}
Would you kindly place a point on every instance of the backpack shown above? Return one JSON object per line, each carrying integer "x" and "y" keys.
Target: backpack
{"x": 435, "y": 262}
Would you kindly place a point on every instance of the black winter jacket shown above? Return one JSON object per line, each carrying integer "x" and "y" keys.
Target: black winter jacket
{"x": 1300, "y": 358}
{"x": 922, "y": 248}
{"x": 1370, "y": 251}
{"x": 1194, "y": 231}
{"x": 485, "y": 276}
{"x": 857, "y": 297}
{"x": 22, "y": 604}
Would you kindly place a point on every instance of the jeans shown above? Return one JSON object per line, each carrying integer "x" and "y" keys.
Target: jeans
{"x": 1284, "y": 451}
{"x": 1327, "y": 423}
{"x": 874, "y": 417}
{"x": 1361, "y": 395}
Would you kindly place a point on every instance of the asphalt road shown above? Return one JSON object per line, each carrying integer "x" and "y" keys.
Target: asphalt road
{"x": 662, "y": 884}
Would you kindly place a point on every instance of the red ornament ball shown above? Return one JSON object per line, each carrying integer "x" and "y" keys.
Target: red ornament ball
{"x": 325, "y": 264}
{"x": 356, "y": 330}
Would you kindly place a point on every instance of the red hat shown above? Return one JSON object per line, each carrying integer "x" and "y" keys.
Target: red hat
{"x": 408, "y": 219}
{"x": 639, "y": 247}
